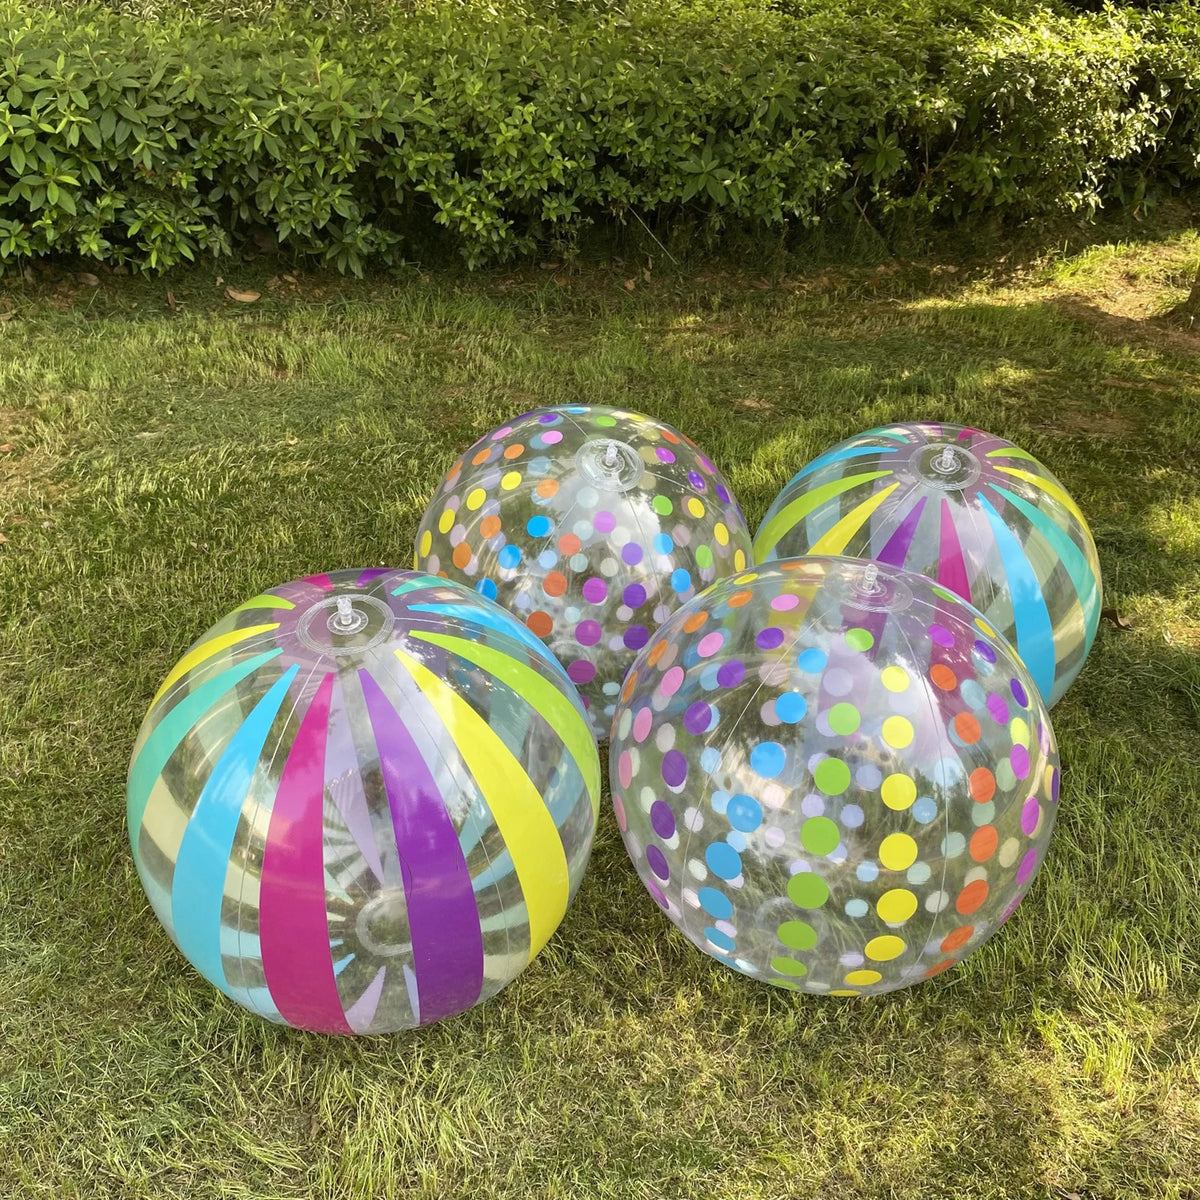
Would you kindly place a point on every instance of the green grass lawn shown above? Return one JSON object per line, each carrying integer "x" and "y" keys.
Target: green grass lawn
{"x": 159, "y": 465}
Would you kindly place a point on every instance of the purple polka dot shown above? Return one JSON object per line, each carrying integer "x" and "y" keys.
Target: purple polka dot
{"x": 662, "y": 818}
{"x": 634, "y": 595}
{"x": 632, "y": 553}
{"x": 697, "y": 717}
{"x": 587, "y": 633}
{"x": 941, "y": 635}
{"x": 998, "y": 708}
{"x": 706, "y": 464}
{"x": 1019, "y": 757}
{"x": 1054, "y": 778}
{"x": 722, "y": 493}
{"x": 1044, "y": 737}
{"x": 1020, "y": 695}
{"x": 595, "y": 591}
{"x": 551, "y": 437}
{"x": 604, "y": 522}
{"x": 674, "y": 772}
{"x": 1010, "y": 909}
{"x": 549, "y": 419}
{"x": 732, "y": 673}
{"x": 636, "y": 636}
{"x": 658, "y": 864}
{"x": 582, "y": 671}
{"x": 769, "y": 638}
{"x": 696, "y": 480}
{"x": 663, "y": 454}
{"x": 1027, "y": 865}
{"x": 1031, "y": 811}
{"x": 985, "y": 651}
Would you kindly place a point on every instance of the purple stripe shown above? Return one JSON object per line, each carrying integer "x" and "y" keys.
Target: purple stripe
{"x": 369, "y": 574}
{"x": 442, "y": 914}
{"x": 896, "y": 550}
{"x": 292, "y": 916}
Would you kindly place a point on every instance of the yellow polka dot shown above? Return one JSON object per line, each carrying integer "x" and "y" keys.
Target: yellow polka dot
{"x": 721, "y": 533}
{"x": 416, "y": 563}
{"x": 863, "y": 978}
{"x": 895, "y": 679}
{"x": 843, "y": 992}
{"x": 884, "y": 949}
{"x": 739, "y": 560}
{"x": 896, "y": 906}
{"x": 897, "y": 852}
{"x": 898, "y": 791}
{"x": 1019, "y": 732}
{"x": 476, "y": 498}
{"x": 981, "y": 624}
{"x": 696, "y": 507}
{"x": 446, "y": 521}
{"x": 510, "y": 480}
{"x": 426, "y": 543}
{"x": 897, "y": 732}
{"x": 749, "y": 577}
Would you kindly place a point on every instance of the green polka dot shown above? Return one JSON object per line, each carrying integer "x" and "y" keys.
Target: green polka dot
{"x": 819, "y": 835}
{"x": 859, "y": 639}
{"x": 797, "y": 934}
{"x": 704, "y": 556}
{"x": 843, "y": 718}
{"x": 662, "y": 506}
{"x": 942, "y": 593}
{"x": 606, "y": 422}
{"x": 807, "y": 890}
{"x": 832, "y": 776}
{"x": 788, "y": 966}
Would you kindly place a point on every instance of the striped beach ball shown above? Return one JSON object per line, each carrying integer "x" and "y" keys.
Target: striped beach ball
{"x": 363, "y": 801}
{"x": 975, "y": 513}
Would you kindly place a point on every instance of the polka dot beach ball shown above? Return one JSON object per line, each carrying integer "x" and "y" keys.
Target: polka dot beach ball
{"x": 363, "y": 801}
{"x": 833, "y": 776}
{"x": 591, "y": 525}
{"x": 972, "y": 511}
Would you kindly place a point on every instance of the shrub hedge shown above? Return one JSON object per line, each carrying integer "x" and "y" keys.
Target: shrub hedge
{"x": 153, "y": 139}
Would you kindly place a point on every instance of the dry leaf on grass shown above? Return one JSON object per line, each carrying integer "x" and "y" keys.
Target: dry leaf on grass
{"x": 86, "y": 277}
{"x": 241, "y": 296}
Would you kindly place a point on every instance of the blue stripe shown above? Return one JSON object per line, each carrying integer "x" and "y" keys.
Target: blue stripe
{"x": 499, "y": 621}
{"x": 840, "y": 455}
{"x": 198, "y": 886}
{"x": 1035, "y": 634}
{"x": 170, "y": 731}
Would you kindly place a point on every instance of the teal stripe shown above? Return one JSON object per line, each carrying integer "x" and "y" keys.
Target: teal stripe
{"x": 499, "y": 621}
{"x": 1034, "y": 635}
{"x": 840, "y": 456}
{"x": 413, "y": 585}
{"x": 198, "y": 885}
{"x": 171, "y": 730}
{"x": 1074, "y": 559}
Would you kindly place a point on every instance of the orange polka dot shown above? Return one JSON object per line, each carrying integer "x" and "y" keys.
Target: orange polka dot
{"x": 490, "y": 526}
{"x": 547, "y": 488}
{"x": 461, "y": 555}
{"x": 514, "y": 451}
{"x": 630, "y": 684}
{"x": 971, "y": 897}
{"x": 539, "y": 623}
{"x": 554, "y": 584}
{"x": 670, "y": 437}
{"x": 938, "y": 968}
{"x": 442, "y": 575}
{"x": 982, "y": 784}
{"x": 984, "y": 842}
{"x": 790, "y": 564}
{"x": 695, "y": 621}
{"x": 454, "y": 470}
{"x": 657, "y": 653}
{"x": 569, "y": 544}
{"x": 740, "y": 598}
{"x": 943, "y": 677}
{"x": 481, "y": 456}
{"x": 967, "y": 728}
{"x": 956, "y": 939}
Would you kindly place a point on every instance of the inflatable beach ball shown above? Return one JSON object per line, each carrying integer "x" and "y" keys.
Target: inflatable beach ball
{"x": 969, "y": 510}
{"x": 591, "y": 525}
{"x": 832, "y": 776}
{"x": 363, "y": 801}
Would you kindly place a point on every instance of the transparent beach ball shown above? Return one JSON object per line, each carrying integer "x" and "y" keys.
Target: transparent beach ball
{"x": 363, "y": 801}
{"x": 832, "y": 776}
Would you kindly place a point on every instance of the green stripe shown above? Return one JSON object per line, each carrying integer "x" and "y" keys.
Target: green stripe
{"x": 1010, "y": 452}
{"x": 545, "y": 696}
{"x": 792, "y": 514}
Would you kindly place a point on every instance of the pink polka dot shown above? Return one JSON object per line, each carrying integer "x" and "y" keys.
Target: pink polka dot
{"x": 785, "y": 602}
{"x": 551, "y": 437}
{"x": 625, "y": 769}
{"x": 500, "y": 433}
{"x": 619, "y": 810}
{"x": 671, "y": 681}
{"x": 641, "y": 724}
{"x": 710, "y": 643}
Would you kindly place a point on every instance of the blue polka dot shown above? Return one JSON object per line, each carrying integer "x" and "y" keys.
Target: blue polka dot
{"x": 767, "y": 759}
{"x": 663, "y": 544}
{"x": 708, "y": 677}
{"x": 719, "y": 800}
{"x": 710, "y": 759}
{"x": 715, "y": 903}
{"x": 852, "y": 816}
{"x": 486, "y": 587}
{"x": 918, "y": 873}
{"x": 538, "y": 526}
{"x": 723, "y": 860}
{"x": 509, "y": 557}
{"x": 790, "y": 707}
{"x": 681, "y": 580}
{"x": 857, "y": 907}
{"x": 538, "y": 466}
{"x": 812, "y": 660}
{"x": 868, "y": 872}
{"x": 547, "y": 559}
{"x": 736, "y": 839}
{"x": 744, "y": 813}
{"x": 924, "y": 809}
{"x": 723, "y": 940}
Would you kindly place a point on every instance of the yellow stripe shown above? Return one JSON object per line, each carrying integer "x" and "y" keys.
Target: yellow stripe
{"x": 772, "y": 531}
{"x": 521, "y": 815}
{"x": 545, "y": 697}
{"x": 205, "y": 651}
{"x": 266, "y": 600}
{"x": 1048, "y": 486}
{"x": 834, "y": 540}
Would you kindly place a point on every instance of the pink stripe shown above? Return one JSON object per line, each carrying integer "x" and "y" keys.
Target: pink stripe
{"x": 292, "y": 916}
{"x": 321, "y": 581}
{"x": 952, "y": 571}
